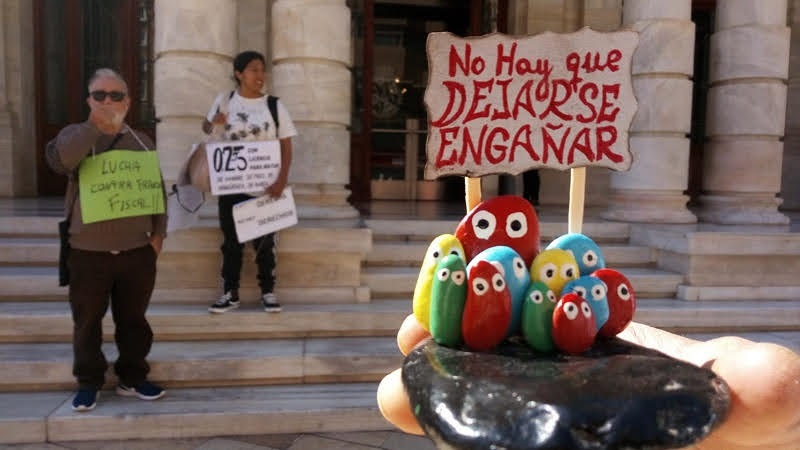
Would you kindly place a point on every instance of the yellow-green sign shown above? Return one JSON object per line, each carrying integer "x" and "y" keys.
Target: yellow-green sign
{"x": 120, "y": 183}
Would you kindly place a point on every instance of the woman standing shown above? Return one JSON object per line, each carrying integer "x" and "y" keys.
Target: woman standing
{"x": 244, "y": 114}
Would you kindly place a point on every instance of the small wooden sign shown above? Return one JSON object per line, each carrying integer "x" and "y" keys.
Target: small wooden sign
{"x": 503, "y": 104}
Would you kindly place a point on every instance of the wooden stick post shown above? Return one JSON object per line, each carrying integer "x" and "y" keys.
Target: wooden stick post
{"x": 577, "y": 194}
{"x": 472, "y": 192}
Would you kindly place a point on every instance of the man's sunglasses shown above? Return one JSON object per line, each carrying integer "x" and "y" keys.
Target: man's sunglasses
{"x": 99, "y": 96}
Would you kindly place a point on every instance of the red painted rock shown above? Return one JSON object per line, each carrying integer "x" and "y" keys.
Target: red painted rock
{"x": 621, "y": 301}
{"x": 574, "y": 327}
{"x": 505, "y": 220}
{"x": 487, "y": 312}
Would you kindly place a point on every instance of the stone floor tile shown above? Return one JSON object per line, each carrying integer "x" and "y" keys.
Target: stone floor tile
{"x": 231, "y": 443}
{"x": 311, "y": 442}
{"x": 276, "y": 441}
{"x": 136, "y": 444}
{"x": 41, "y": 446}
{"x": 403, "y": 441}
{"x": 372, "y": 438}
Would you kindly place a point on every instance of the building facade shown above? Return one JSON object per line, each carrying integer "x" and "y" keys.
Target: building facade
{"x": 715, "y": 139}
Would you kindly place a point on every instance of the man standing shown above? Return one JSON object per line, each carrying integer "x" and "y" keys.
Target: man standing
{"x": 113, "y": 253}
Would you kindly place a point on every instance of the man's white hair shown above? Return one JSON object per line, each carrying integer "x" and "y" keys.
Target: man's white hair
{"x": 106, "y": 73}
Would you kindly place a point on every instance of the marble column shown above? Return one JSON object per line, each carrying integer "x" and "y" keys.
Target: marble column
{"x": 312, "y": 57}
{"x": 749, "y": 67}
{"x": 193, "y": 45}
{"x": 653, "y": 189}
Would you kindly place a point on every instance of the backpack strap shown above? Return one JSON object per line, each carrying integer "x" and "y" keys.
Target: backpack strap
{"x": 272, "y": 104}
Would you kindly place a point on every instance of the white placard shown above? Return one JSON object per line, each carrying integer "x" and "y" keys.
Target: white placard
{"x": 263, "y": 215}
{"x": 242, "y": 166}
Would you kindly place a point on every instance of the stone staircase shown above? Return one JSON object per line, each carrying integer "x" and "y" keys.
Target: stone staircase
{"x": 312, "y": 368}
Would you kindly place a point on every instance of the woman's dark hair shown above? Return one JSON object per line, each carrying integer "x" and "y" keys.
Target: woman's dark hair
{"x": 243, "y": 59}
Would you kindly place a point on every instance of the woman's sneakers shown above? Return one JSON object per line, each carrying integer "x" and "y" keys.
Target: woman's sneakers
{"x": 270, "y": 302}
{"x": 228, "y": 301}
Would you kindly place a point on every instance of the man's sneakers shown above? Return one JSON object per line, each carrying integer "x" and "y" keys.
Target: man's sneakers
{"x": 270, "y": 303}
{"x": 85, "y": 400}
{"x": 145, "y": 391}
{"x": 228, "y": 301}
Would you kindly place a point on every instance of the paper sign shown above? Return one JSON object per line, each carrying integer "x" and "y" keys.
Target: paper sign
{"x": 242, "y": 166}
{"x": 263, "y": 215}
{"x": 120, "y": 183}
{"x": 502, "y": 104}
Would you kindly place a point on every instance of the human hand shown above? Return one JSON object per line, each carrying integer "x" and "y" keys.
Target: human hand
{"x": 106, "y": 117}
{"x": 764, "y": 380}
{"x": 275, "y": 189}
{"x": 219, "y": 118}
{"x": 157, "y": 242}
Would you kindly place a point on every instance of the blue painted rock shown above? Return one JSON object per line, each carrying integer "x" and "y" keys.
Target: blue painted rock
{"x": 587, "y": 253}
{"x": 593, "y": 290}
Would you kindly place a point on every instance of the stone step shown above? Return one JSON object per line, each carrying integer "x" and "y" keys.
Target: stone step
{"x": 39, "y": 417}
{"x": 411, "y": 253}
{"x": 29, "y": 226}
{"x": 47, "y": 366}
{"x": 549, "y": 229}
{"x": 40, "y": 283}
{"x": 40, "y": 322}
{"x": 29, "y": 251}
{"x": 52, "y": 321}
{"x": 400, "y": 281}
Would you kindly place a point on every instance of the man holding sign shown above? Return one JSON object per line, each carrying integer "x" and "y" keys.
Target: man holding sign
{"x": 245, "y": 125}
{"x": 115, "y": 206}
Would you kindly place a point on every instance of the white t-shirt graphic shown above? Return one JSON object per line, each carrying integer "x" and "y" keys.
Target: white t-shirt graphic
{"x": 249, "y": 119}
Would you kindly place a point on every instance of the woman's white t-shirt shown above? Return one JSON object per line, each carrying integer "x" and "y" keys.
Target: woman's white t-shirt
{"x": 249, "y": 119}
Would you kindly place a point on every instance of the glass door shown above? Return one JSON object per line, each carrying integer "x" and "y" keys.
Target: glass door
{"x": 75, "y": 37}
{"x": 390, "y": 76}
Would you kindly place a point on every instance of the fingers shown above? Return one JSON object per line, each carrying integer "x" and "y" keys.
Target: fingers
{"x": 392, "y": 398}
{"x": 410, "y": 334}
{"x": 105, "y": 118}
{"x": 764, "y": 380}
{"x": 394, "y": 404}
{"x": 219, "y": 118}
{"x": 657, "y": 339}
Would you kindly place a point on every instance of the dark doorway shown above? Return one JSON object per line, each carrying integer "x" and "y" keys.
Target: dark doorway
{"x": 703, "y": 12}
{"x": 72, "y": 39}
{"x": 390, "y": 75}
